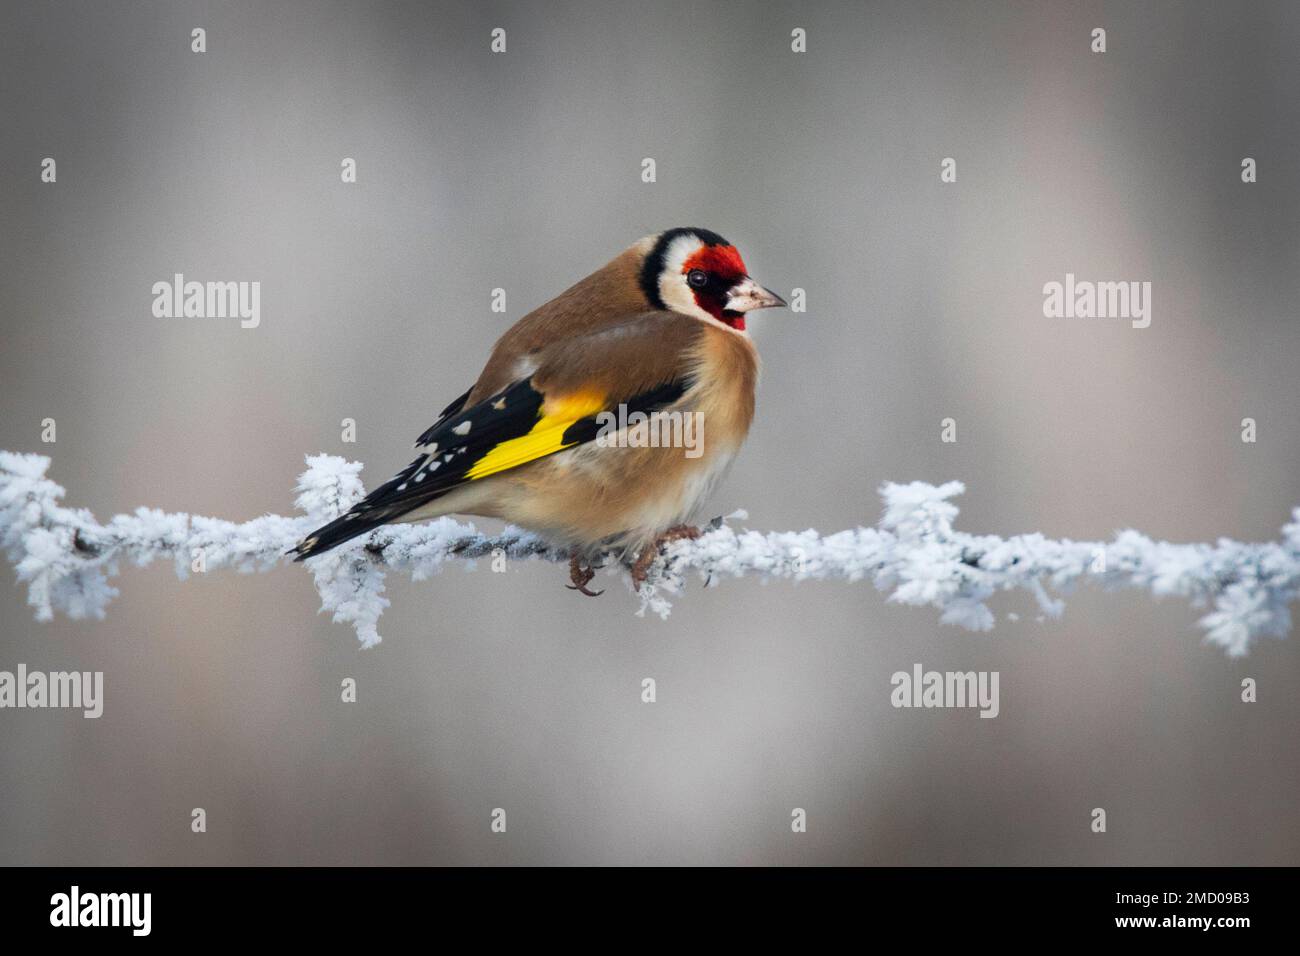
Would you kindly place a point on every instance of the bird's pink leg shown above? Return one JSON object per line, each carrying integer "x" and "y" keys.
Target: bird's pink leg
{"x": 647, "y": 556}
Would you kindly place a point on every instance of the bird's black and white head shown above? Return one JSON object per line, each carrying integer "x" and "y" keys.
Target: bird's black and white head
{"x": 698, "y": 273}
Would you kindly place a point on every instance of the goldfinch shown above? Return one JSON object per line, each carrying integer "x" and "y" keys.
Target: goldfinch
{"x": 555, "y": 436}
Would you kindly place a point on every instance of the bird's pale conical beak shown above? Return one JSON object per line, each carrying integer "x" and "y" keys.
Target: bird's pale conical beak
{"x": 747, "y": 295}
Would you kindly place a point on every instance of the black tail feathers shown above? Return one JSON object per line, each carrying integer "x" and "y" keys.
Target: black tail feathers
{"x": 335, "y": 533}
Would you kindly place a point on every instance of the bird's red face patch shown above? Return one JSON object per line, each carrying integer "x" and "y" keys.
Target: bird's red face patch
{"x": 723, "y": 261}
{"x": 723, "y": 268}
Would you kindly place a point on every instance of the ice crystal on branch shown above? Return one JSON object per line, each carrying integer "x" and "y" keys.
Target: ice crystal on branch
{"x": 65, "y": 557}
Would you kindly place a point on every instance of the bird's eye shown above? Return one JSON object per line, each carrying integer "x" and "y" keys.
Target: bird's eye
{"x": 697, "y": 278}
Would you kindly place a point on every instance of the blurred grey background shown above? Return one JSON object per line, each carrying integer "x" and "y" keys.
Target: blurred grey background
{"x": 522, "y": 171}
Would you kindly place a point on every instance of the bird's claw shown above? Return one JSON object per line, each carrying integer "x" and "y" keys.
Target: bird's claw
{"x": 641, "y": 568}
{"x": 580, "y": 576}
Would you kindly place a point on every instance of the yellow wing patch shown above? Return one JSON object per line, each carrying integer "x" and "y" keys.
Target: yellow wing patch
{"x": 544, "y": 438}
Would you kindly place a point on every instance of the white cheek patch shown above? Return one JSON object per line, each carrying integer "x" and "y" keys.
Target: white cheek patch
{"x": 673, "y": 288}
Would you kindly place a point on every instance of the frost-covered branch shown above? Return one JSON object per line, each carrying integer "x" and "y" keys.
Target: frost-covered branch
{"x": 65, "y": 557}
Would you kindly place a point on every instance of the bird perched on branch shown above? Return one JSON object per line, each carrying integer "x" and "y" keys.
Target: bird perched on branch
{"x": 558, "y": 433}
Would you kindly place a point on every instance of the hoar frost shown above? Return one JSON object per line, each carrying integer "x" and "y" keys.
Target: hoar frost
{"x": 66, "y": 558}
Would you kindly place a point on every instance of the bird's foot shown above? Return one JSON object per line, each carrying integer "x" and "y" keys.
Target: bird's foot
{"x": 581, "y": 576}
{"x": 641, "y": 568}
